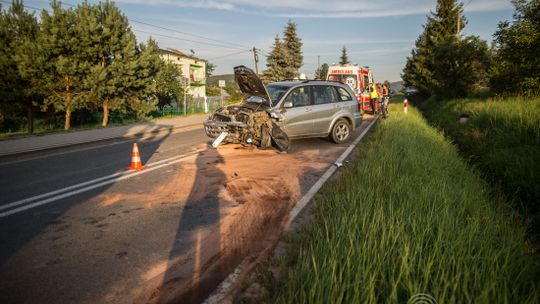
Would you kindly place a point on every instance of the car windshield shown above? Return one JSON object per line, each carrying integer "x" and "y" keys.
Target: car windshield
{"x": 276, "y": 92}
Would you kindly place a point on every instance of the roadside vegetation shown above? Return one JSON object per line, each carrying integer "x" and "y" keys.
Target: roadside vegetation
{"x": 501, "y": 137}
{"x": 486, "y": 100}
{"x": 80, "y": 63}
{"x": 411, "y": 217}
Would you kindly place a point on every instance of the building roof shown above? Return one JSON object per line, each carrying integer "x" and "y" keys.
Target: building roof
{"x": 174, "y": 51}
{"x": 180, "y": 54}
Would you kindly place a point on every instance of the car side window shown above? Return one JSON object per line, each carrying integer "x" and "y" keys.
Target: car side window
{"x": 324, "y": 94}
{"x": 299, "y": 97}
{"x": 343, "y": 94}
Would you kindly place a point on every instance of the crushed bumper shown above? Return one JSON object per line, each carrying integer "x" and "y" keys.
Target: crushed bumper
{"x": 235, "y": 129}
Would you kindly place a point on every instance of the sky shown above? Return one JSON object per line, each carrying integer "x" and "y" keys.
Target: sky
{"x": 379, "y": 34}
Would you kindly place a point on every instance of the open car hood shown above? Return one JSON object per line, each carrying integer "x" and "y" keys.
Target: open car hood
{"x": 249, "y": 83}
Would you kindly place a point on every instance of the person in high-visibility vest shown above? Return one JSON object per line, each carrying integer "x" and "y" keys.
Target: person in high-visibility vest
{"x": 373, "y": 95}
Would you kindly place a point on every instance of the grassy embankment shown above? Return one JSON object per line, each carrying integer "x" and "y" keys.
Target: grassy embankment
{"x": 502, "y": 138}
{"x": 409, "y": 217}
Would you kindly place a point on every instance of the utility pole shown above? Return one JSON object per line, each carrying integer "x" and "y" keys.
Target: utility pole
{"x": 256, "y": 58}
{"x": 318, "y": 67}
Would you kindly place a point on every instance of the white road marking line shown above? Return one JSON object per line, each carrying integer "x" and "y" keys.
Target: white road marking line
{"x": 223, "y": 289}
{"x": 95, "y": 183}
{"x": 120, "y": 140}
{"x": 33, "y": 198}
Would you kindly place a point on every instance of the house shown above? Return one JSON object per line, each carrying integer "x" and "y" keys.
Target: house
{"x": 191, "y": 66}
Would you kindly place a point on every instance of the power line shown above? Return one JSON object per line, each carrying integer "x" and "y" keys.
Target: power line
{"x": 25, "y": 6}
{"x": 174, "y": 30}
{"x": 184, "y": 33}
{"x": 182, "y": 39}
{"x": 228, "y": 55}
{"x": 152, "y": 33}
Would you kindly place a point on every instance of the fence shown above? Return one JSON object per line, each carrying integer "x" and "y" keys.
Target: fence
{"x": 193, "y": 105}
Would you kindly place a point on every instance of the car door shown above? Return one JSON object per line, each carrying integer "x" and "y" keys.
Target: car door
{"x": 325, "y": 105}
{"x": 298, "y": 119}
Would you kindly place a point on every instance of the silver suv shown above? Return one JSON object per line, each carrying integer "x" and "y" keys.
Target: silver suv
{"x": 283, "y": 110}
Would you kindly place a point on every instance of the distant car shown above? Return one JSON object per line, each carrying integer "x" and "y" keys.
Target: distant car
{"x": 410, "y": 90}
{"x": 272, "y": 115}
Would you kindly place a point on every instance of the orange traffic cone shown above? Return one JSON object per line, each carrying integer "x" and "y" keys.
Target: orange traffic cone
{"x": 136, "y": 163}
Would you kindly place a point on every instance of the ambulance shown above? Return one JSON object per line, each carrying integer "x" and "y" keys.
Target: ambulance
{"x": 357, "y": 77}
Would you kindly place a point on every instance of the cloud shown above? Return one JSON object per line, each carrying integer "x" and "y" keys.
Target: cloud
{"x": 325, "y": 8}
{"x": 206, "y": 4}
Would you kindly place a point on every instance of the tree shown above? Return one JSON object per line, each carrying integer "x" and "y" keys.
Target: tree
{"x": 443, "y": 63}
{"x": 416, "y": 71}
{"x": 460, "y": 66}
{"x": 440, "y": 26}
{"x": 322, "y": 72}
{"x": 58, "y": 71}
{"x": 209, "y": 69}
{"x": 141, "y": 88}
{"x": 18, "y": 32}
{"x": 516, "y": 68}
{"x": 344, "y": 59}
{"x": 109, "y": 51}
{"x": 276, "y": 62}
{"x": 234, "y": 92}
{"x": 168, "y": 84}
{"x": 293, "y": 46}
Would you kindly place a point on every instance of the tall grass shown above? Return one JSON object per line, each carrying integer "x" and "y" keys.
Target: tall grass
{"x": 409, "y": 217}
{"x": 501, "y": 136}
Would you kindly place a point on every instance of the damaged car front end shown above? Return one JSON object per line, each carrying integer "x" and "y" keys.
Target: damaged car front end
{"x": 252, "y": 123}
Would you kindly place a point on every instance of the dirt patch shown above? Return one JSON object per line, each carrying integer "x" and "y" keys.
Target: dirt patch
{"x": 255, "y": 190}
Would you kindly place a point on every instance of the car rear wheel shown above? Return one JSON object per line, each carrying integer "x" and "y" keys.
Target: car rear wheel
{"x": 341, "y": 131}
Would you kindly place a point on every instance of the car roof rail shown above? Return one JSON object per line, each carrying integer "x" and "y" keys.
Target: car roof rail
{"x": 291, "y": 79}
{"x": 312, "y": 80}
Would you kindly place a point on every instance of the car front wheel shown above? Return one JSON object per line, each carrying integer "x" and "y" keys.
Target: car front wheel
{"x": 341, "y": 131}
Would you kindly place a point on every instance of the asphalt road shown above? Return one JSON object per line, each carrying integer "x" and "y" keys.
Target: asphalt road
{"x": 75, "y": 226}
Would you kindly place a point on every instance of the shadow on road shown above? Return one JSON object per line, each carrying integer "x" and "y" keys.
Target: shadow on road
{"x": 198, "y": 229}
{"x": 23, "y": 278}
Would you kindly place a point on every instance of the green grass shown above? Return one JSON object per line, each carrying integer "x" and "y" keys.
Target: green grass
{"x": 408, "y": 217}
{"x": 501, "y": 137}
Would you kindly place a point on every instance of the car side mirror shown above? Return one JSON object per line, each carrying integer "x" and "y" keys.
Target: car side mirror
{"x": 287, "y": 104}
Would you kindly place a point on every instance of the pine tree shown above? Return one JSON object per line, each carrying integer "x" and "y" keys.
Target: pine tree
{"x": 293, "y": 45}
{"x": 142, "y": 88}
{"x": 18, "y": 32}
{"x": 417, "y": 71}
{"x": 344, "y": 58}
{"x": 276, "y": 62}
{"x": 59, "y": 72}
{"x": 443, "y": 63}
{"x": 110, "y": 53}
